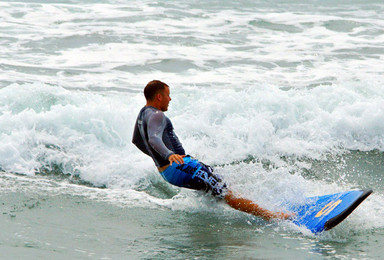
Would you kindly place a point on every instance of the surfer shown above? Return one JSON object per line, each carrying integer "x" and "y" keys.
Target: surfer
{"x": 154, "y": 136}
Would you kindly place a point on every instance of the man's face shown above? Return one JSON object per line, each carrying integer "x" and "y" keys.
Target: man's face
{"x": 164, "y": 99}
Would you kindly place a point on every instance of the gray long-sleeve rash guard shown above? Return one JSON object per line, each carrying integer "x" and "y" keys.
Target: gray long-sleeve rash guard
{"x": 154, "y": 136}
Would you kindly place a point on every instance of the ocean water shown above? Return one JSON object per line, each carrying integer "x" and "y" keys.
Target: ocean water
{"x": 284, "y": 98}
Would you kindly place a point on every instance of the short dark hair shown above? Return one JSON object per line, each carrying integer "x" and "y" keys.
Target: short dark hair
{"x": 152, "y": 88}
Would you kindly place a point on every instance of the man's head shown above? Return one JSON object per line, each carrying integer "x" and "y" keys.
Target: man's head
{"x": 157, "y": 94}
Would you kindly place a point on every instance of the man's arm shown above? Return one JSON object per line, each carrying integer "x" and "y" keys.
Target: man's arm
{"x": 156, "y": 125}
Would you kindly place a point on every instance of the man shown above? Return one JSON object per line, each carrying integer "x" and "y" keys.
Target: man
{"x": 154, "y": 136}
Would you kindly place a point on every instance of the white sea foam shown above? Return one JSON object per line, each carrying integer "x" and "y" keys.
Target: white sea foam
{"x": 89, "y": 134}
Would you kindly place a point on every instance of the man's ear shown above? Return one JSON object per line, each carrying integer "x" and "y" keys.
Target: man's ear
{"x": 159, "y": 96}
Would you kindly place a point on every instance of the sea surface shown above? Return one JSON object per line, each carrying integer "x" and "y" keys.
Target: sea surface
{"x": 284, "y": 98}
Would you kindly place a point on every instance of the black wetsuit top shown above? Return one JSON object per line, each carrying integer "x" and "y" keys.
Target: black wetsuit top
{"x": 154, "y": 136}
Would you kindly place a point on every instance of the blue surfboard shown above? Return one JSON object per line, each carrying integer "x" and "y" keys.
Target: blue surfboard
{"x": 325, "y": 212}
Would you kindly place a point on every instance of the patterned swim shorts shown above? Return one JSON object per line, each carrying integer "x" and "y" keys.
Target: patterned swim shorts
{"x": 195, "y": 175}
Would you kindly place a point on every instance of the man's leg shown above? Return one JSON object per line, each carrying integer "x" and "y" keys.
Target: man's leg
{"x": 196, "y": 175}
{"x": 249, "y": 206}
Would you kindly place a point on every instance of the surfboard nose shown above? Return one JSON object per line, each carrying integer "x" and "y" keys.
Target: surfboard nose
{"x": 337, "y": 219}
{"x": 325, "y": 212}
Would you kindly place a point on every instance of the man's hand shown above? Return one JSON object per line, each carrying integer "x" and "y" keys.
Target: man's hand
{"x": 177, "y": 158}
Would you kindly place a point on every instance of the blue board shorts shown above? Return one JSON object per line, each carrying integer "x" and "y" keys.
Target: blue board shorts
{"x": 195, "y": 175}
